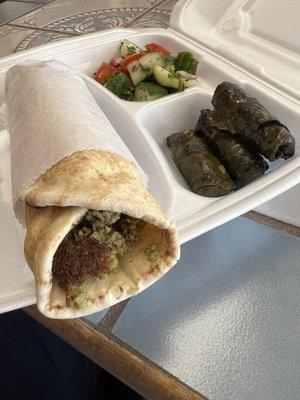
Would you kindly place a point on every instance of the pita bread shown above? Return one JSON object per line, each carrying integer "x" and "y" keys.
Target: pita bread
{"x": 58, "y": 200}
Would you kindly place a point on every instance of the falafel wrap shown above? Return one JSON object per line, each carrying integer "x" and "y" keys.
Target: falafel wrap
{"x": 94, "y": 234}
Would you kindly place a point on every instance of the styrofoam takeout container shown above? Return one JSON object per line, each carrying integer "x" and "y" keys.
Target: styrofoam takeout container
{"x": 233, "y": 40}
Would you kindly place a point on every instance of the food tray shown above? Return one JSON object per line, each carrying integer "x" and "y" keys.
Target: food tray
{"x": 144, "y": 128}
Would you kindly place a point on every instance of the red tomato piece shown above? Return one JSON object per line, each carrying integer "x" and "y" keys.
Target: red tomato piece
{"x": 157, "y": 47}
{"x": 113, "y": 61}
{"x": 127, "y": 60}
{"x": 105, "y": 72}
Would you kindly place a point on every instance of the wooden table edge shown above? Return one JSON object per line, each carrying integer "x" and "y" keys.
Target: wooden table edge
{"x": 273, "y": 223}
{"x": 126, "y": 364}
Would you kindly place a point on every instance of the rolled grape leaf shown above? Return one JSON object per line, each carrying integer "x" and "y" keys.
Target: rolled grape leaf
{"x": 243, "y": 115}
{"x": 243, "y": 165}
{"x": 202, "y": 171}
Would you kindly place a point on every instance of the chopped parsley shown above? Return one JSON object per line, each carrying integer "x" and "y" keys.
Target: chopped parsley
{"x": 112, "y": 229}
{"x": 77, "y": 297}
{"x": 130, "y": 49}
{"x": 152, "y": 253}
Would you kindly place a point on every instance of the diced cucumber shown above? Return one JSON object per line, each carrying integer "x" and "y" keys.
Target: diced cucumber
{"x": 140, "y": 69}
{"x": 137, "y": 73}
{"x": 185, "y": 61}
{"x": 181, "y": 85}
{"x": 169, "y": 65}
{"x": 128, "y": 48}
{"x": 192, "y": 82}
{"x": 121, "y": 86}
{"x": 149, "y": 60}
{"x": 186, "y": 75}
{"x": 166, "y": 78}
{"x": 146, "y": 91}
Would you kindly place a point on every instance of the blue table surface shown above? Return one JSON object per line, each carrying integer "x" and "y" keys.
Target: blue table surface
{"x": 225, "y": 319}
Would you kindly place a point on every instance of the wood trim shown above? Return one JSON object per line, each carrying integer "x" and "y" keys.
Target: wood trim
{"x": 272, "y": 222}
{"x": 130, "y": 367}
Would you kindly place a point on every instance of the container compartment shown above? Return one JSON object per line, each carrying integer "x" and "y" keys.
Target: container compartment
{"x": 178, "y": 112}
{"x": 158, "y": 120}
{"x": 144, "y": 128}
{"x": 211, "y": 70}
{"x": 90, "y": 60}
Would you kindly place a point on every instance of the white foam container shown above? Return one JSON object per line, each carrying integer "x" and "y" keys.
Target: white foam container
{"x": 233, "y": 40}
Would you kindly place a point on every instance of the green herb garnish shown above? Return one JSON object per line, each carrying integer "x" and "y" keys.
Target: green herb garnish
{"x": 77, "y": 297}
{"x": 152, "y": 253}
{"x": 99, "y": 225}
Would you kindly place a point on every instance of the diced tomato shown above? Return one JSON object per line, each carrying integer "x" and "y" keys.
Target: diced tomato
{"x": 116, "y": 61}
{"x": 157, "y": 47}
{"x": 127, "y": 60}
{"x": 113, "y": 61}
{"x": 105, "y": 72}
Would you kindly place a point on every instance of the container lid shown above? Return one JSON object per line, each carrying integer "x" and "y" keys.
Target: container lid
{"x": 259, "y": 36}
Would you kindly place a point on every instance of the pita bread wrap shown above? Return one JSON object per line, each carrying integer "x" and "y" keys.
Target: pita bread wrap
{"x": 88, "y": 168}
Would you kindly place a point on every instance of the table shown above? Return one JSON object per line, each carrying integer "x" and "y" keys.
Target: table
{"x": 221, "y": 324}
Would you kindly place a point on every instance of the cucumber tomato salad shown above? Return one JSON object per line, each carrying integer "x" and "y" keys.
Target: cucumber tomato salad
{"x": 143, "y": 74}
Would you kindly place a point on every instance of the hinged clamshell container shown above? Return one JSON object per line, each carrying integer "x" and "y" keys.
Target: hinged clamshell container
{"x": 253, "y": 43}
